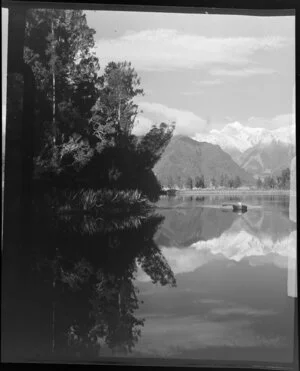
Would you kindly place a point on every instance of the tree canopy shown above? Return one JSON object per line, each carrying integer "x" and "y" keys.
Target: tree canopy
{"x": 84, "y": 119}
{"x": 114, "y": 112}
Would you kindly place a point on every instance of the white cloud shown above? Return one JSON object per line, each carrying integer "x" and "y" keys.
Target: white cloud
{"x": 142, "y": 125}
{"x": 244, "y": 72}
{"x": 191, "y": 93}
{"x": 169, "y": 49}
{"x": 208, "y": 82}
{"x": 242, "y": 310}
{"x": 276, "y": 122}
{"x": 187, "y": 123}
{"x": 201, "y": 84}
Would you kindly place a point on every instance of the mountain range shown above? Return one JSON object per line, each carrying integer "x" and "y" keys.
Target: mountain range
{"x": 259, "y": 151}
{"x": 269, "y": 159}
{"x": 185, "y": 157}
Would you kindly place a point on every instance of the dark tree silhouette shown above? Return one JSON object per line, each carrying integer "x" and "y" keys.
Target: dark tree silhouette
{"x": 259, "y": 183}
{"x": 189, "y": 183}
{"x": 237, "y": 182}
{"x": 99, "y": 276}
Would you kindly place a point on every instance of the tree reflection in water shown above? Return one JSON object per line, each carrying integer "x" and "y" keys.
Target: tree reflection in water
{"x": 84, "y": 269}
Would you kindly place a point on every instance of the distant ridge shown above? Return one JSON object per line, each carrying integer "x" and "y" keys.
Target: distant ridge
{"x": 185, "y": 157}
{"x": 268, "y": 159}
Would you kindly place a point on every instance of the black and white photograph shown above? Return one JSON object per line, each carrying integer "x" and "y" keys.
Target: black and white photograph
{"x": 148, "y": 187}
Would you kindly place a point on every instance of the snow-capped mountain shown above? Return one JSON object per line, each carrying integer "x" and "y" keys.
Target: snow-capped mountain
{"x": 233, "y": 136}
{"x": 252, "y": 148}
{"x": 237, "y": 137}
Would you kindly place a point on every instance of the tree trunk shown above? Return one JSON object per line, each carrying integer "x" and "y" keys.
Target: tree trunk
{"x": 53, "y": 86}
{"x": 119, "y": 303}
{"x": 53, "y": 319}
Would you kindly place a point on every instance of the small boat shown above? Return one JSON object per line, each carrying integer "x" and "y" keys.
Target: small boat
{"x": 238, "y": 207}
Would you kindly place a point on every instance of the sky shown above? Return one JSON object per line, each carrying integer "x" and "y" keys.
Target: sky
{"x": 204, "y": 71}
{"x": 201, "y": 71}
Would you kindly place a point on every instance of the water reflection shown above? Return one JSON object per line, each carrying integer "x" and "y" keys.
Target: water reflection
{"x": 79, "y": 296}
{"x": 188, "y": 221}
{"x": 185, "y": 281}
{"x": 231, "y": 300}
{"x": 195, "y": 236}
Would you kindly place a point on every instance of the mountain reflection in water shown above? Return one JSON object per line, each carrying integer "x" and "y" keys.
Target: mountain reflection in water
{"x": 231, "y": 301}
{"x": 182, "y": 281}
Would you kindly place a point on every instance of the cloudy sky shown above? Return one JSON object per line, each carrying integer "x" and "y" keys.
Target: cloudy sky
{"x": 204, "y": 71}
{"x": 201, "y": 71}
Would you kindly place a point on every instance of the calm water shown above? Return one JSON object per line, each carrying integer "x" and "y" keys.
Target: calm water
{"x": 231, "y": 300}
{"x": 188, "y": 281}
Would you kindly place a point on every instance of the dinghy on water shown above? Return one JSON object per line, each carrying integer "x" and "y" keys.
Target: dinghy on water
{"x": 239, "y": 207}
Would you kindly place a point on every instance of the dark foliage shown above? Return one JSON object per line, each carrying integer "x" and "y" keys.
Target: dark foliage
{"x": 82, "y": 284}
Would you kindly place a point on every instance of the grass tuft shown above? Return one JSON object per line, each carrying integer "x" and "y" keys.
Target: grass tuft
{"x": 104, "y": 200}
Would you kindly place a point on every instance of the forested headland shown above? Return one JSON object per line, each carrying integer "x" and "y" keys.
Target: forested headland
{"x": 85, "y": 114}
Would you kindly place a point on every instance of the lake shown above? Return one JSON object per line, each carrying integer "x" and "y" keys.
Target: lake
{"x": 231, "y": 300}
{"x": 189, "y": 281}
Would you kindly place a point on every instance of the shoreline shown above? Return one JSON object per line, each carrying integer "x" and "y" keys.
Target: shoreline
{"x": 230, "y": 192}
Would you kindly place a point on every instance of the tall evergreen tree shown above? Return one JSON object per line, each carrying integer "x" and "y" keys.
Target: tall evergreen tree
{"x": 58, "y": 47}
{"x": 115, "y": 111}
{"x": 269, "y": 182}
{"x": 197, "y": 182}
{"x": 153, "y": 144}
{"x": 213, "y": 182}
{"x": 259, "y": 183}
{"x": 189, "y": 183}
{"x": 237, "y": 182}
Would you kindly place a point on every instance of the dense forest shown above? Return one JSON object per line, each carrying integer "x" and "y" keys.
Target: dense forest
{"x": 93, "y": 188}
{"x": 85, "y": 112}
{"x": 201, "y": 182}
{"x": 281, "y": 181}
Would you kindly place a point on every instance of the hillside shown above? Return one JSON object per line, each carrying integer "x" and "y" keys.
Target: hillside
{"x": 270, "y": 159}
{"x": 185, "y": 157}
